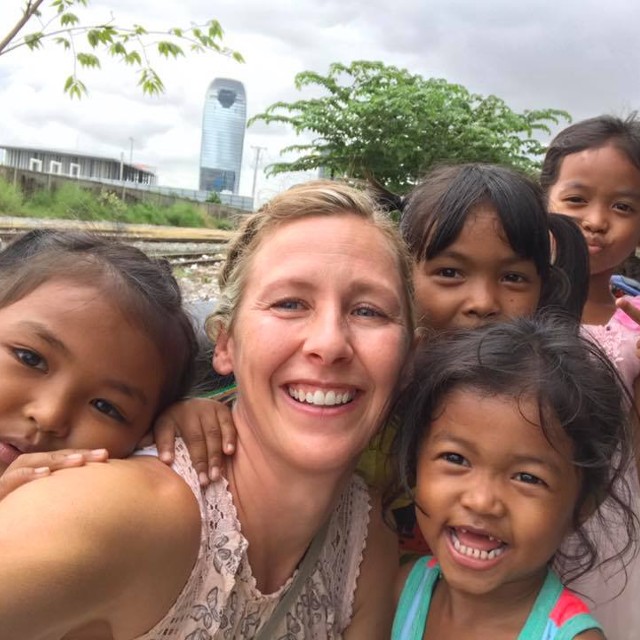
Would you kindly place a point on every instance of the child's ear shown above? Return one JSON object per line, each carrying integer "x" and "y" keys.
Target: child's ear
{"x": 223, "y": 353}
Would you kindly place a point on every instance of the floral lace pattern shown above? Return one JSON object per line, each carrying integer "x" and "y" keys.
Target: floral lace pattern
{"x": 221, "y": 599}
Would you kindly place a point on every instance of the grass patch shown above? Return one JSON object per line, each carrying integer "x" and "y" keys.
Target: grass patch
{"x": 69, "y": 201}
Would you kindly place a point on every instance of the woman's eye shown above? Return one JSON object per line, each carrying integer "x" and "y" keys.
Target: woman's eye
{"x": 31, "y": 359}
{"x": 368, "y": 312}
{"x": 454, "y": 458}
{"x": 528, "y": 478}
{"x": 104, "y": 406}
{"x": 288, "y": 304}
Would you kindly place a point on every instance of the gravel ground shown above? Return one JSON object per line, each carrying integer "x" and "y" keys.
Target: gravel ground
{"x": 198, "y": 283}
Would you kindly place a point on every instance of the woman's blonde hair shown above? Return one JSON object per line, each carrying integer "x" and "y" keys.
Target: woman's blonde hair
{"x": 316, "y": 198}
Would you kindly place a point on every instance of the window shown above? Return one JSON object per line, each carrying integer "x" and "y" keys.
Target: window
{"x": 74, "y": 170}
{"x": 35, "y": 164}
{"x": 55, "y": 167}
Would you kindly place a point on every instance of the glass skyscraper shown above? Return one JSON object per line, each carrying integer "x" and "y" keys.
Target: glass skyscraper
{"x": 223, "y": 123}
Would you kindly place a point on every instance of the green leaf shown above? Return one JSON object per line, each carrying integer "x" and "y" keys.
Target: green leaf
{"x": 74, "y": 87}
{"x": 68, "y": 19}
{"x": 169, "y": 49}
{"x": 33, "y": 40}
{"x": 150, "y": 82}
{"x": 117, "y": 49}
{"x": 88, "y": 60}
{"x": 62, "y": 41}
{"x": 133, "y": 57}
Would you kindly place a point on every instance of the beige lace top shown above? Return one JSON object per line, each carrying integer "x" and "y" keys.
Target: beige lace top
{"x": 221, "y": 600}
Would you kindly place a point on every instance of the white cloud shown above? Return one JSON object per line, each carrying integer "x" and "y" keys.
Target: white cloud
{"x": 577, "y": 55}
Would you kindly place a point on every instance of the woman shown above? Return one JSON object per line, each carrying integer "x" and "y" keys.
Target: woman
{"x": 315, "y": 321}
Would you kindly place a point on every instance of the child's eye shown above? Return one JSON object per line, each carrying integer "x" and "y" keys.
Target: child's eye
{"x": 31, "y": 359}
{"x": 454, "y": 458}
{"x": 104, "y": 406}
{"x": 623, "y": 207}
{"x": 448, "y": 272}
{"x": 529, "y": 478}
{"x": 515, "y": 278}
{"x": 574, "y": 199}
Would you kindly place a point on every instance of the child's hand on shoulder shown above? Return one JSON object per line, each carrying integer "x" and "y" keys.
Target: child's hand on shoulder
{"x": 207, "y": 428}
{"x": 31, "y": 466}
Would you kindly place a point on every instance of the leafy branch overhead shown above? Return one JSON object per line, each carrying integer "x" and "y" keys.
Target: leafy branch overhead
{"x": 58, "y": 22}
{"x": 379, "y": 121}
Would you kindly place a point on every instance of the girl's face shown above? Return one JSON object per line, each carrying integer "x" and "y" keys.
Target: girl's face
{"x": 477, "y": 279}
{"x": 318, "y": 342}
{"x": 74, "y": 373}
{"x": 600, "y": 188}
{"x": 500, "y": 499}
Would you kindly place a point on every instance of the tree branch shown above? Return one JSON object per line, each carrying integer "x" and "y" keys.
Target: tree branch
{"x": 29, "y": 11}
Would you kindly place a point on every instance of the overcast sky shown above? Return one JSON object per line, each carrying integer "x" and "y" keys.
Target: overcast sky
{"x": 578, "y": 55}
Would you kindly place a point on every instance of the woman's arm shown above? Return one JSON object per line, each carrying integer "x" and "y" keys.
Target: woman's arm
{"x": 112, "y": 542}
{"x": 374, "y": 605}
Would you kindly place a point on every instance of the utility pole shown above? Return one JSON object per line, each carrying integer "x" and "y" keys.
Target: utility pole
{"x": 255, "y": 170}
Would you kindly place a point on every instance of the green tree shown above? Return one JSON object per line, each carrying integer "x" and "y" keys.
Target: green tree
{"x": 58, "y": 22}
{"x": 383, "y": 122}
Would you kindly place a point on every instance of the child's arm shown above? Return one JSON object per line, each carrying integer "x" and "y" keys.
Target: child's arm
{"x": 207, "y": 428}
{"x": 626, "y": 305}
{"x": 373, "y": 603}
{"x": 112, "y": 543}
{"x": 30, "y": 466}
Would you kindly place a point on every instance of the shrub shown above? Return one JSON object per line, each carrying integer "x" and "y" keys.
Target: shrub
{"x": 183, "y": 214}
{"x": 10, "y": 199}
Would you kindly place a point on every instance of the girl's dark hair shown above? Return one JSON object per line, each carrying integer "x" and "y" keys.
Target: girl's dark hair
{"x": 577, "y": 390}
{"x": 568, "y": 289}
{"x": 623, "y": 134}
{"x": 143, "y": 289}
{"x": 436, "y": 210}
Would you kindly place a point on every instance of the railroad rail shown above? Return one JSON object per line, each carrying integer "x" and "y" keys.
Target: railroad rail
{"x": 186, "y": 259}
{"x": 10, "y": 227}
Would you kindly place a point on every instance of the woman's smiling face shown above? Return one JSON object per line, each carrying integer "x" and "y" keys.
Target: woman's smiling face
{"x": 318, "y": 341}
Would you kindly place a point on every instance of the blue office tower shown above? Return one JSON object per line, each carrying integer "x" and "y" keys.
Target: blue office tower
{"x": 223, "y": 124}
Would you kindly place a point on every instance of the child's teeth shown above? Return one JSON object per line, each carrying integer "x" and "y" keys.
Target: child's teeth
{"x": 471, "y": 552}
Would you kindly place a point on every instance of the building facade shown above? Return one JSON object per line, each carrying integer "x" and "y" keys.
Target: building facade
{"x": 223, "y": 124}
{"x": 76, "y": 165}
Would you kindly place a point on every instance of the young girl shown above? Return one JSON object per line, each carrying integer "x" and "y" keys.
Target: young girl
{"x": 511, "y": 439}
{"x": 110, "y": 378}
{"x": 592, "y": 173}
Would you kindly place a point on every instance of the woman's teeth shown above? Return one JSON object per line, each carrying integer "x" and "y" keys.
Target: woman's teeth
{"x": 321, "y": 398}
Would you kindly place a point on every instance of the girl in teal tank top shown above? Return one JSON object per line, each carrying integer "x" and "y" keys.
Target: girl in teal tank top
{"x": 512, "y": 435}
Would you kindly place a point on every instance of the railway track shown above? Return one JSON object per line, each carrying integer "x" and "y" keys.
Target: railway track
{"x": 157, "y": 241}
{"x": 11, "y": 227}
{"x": 186, "y": 259}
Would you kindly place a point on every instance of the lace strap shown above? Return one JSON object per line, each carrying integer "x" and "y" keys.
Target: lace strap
{"x": 306, "y": 568}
